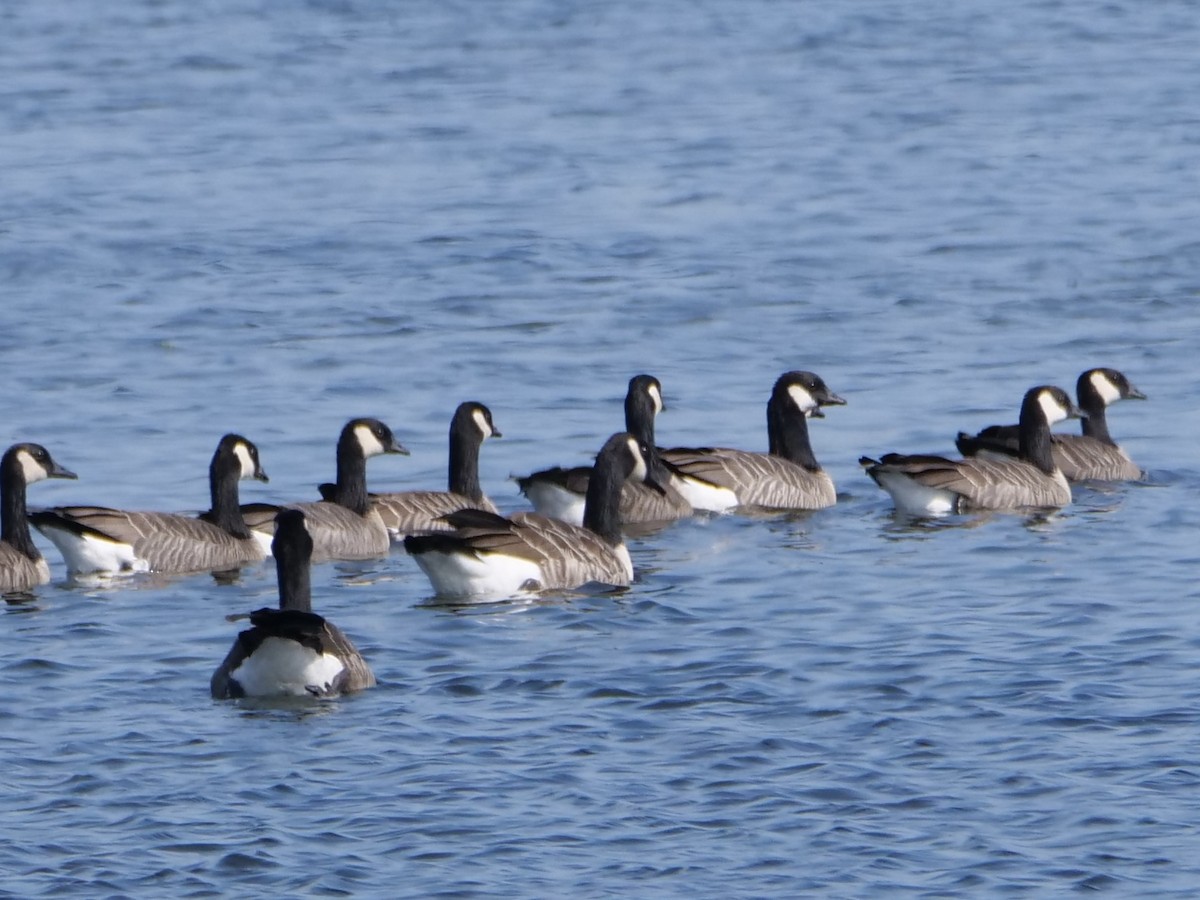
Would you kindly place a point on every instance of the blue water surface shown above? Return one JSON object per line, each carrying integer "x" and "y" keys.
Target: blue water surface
{"x": 269, "y": 218}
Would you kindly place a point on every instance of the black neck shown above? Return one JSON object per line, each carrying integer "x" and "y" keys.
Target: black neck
{"x": 294, "y": 573}
{"x": 465, "y": 440}
{"x": 639, "y": 417}
{"x": 602, "y": 506}
{"x": 787, "y": 434}
{"x": 226, "y": 512}
{"x": 351, "y": 488}
{"x": 1034, "y": 435}
{"x": 14, "y": 526}
{"x": 1090, "y": 401}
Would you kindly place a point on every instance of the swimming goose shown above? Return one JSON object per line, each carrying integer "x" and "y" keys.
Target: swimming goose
{"x": 491, "y": 556}
{"x": 97, "y": 539}
{"x": 21, "y": 564}
{"x": 935, "y": 485}
{"x": 419, "y": 512}
{"x": 342, "y": 524}
{"x": 560, "y": 493}
{"x": 291, "y": 651}
{"x": 1093, "y": 455}
{"x": 787, "y": 476}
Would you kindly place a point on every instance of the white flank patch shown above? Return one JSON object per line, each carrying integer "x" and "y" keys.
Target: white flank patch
{"x": 1055, "y": 411}
{"x": 485, "y": 576}
{"x": 915, "y": 499}
{"x": 802, "y": 398}
{"x": 557, "y": 502}
{"x": 282, "y": 667}
{"x": 242, "y": 452}
{"x": 623, "y": 554}
{"x": 481, "y": 423}
{"x": 32, "y": 469}
{"x": 656, "y": 397}
{"x": 704, "y": 495}
{"x": 264, "y": 540}
{"x": 1108, "y": 391}
{"x": 639, "y": 462}
{"x": 367, "y": 440}
{"x": 86, "y": 554}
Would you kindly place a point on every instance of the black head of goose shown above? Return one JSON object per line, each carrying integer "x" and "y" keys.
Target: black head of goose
{"x": 100, "y": 539}
{"x": 21, "y": 565}
{"x": 343, "y": 524}
{"x": 491, "y": 556}
{"x": 419, "y": 512}
{"x": 561, "y": 492}
{"x": 291, "y": 651}
{"x": 923, "y": 485}
{"x": 787, "y": 476}
{"x": 1093, "y": 455}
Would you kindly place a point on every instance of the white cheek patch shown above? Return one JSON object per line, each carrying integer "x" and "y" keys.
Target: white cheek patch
{"x": 639, "y": 466}
{"x": 656, "y": 397}
{"x": 1054, "y": 411}
{"x": 802, "y": 398}
{"x": 481, "y": 423}
{"x": 370, "y": 444}
{"x": 31, "y": 468}
{"x": 1108, "y": 391}
{"x": 242, "y": 452}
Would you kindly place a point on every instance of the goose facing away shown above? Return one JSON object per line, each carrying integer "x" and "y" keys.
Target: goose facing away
{"x": 1093, "y": 455}
{"x": 98, "y": 539}
{"x": 561, "y": 492}
{"x": 489, "y": 556}
{"x": 343, "y": 525}
{"x": 934, "y": 485}
{"x": 21, "y": 565}
{"x": 291, "y": 651}
{"x": 419, "y": 512}
{"x": 787, "y": 476}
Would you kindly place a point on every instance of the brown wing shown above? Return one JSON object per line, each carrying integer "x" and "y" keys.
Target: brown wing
{"x": 422, "y": 512}
{"x": 984, "y": 483}
{"x": 758, "y": 479}
{"x": 168, "y": 542}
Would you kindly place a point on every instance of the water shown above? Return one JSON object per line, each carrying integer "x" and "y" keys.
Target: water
{"x": 236, "y": 217}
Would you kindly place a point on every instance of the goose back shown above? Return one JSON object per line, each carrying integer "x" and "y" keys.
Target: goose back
{"x": 420, "y": 512}
{"x": 1092, "y": 455}
{"x": 103, "y": 539}
{"x": 926, "y": 484}
{"x": 489, "y": 555}
{"x": 343, "y": 525}
{"x": 787, "y": 476}
{"x": 291, "y": 651}
{"x": 561, "y": 492}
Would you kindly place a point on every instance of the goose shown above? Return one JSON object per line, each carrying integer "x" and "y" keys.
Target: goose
{"x": 343, "y": 525}
{"x": 419, "y": 512}
{"x": 21, "y": 564}
{"x": 787, "y": 476}
{"x": 291, "y": 651}
{"x": 560, "y": 492}
{"x": 100, "y": 540}
{"x": 490, "y": 556}
{"x": 935, "y": 485}
{"x": 1093, "y": 455}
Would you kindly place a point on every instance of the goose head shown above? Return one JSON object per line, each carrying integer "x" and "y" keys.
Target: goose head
{"x": 807, "y": 392}
{"x": 33, "y": 462}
